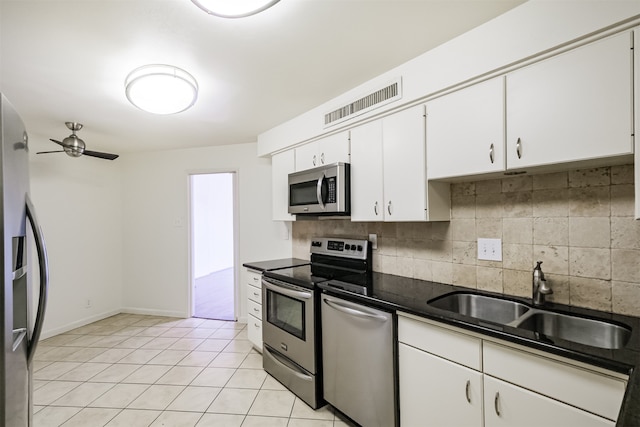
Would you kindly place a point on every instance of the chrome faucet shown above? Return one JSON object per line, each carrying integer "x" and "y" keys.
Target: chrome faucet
{"x": 540, "y": 286}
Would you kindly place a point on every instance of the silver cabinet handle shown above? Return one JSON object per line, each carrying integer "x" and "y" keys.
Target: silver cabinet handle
{"x": 491, "y": 153}
{"x": 319, "y": 191}
{"x": 43, "y": 262}
{"x": 322, "y": 158}
{"x": 314, "y": 160}
{"x": 255, "y": 309}
{"x": 519, "y": 148}
{"x": 256, "y": 325}
{"x": 352, "y": 311}
{"x": 467, "y": 391}
{"x": 255, "y": 279}
{"x": 495, "y": 404}
{"x": 375, "y": 208}
{"x": 389, "y": 208}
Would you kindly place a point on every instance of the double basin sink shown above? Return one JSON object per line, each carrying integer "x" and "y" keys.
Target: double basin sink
{"x": 568, "y": 327}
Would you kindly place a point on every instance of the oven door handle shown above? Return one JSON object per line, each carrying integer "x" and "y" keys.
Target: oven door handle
{"x": 285, "y": 291}
{"x": 352, "y": 311}
{"x": 282, "y": 363}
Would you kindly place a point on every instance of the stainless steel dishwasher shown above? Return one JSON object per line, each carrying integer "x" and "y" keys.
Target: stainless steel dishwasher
{"x": 358, "y": 359}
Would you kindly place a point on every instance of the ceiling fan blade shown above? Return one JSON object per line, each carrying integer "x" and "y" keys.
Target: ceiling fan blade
{"x": 57, "y": 142}
{"x": 47, "y": 152}
{"x": 100, "y": 155}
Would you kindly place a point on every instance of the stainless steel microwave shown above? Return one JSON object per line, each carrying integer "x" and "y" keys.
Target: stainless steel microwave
{"x": 325, "y": 190}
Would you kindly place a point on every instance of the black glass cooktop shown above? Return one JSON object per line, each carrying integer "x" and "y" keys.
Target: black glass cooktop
{"x": 300, "y": 276}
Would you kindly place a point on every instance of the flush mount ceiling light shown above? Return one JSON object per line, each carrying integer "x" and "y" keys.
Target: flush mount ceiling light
{"x": 161, "y": 89}
{"x": 234, "y": 8}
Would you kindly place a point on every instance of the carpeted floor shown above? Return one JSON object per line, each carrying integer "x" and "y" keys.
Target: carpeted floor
{"x": 214, "y": 296}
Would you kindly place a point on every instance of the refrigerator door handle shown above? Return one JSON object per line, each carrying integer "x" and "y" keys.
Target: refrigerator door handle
{"x": 41, "y": 249}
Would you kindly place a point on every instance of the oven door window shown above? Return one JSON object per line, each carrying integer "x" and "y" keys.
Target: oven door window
{"x": 286, "y": 313}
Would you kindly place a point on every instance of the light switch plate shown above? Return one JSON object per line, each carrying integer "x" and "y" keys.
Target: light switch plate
{"x": 490, "y": 249}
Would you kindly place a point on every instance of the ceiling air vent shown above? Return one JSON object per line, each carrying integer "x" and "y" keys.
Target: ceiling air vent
{"x": 367, "y": 103}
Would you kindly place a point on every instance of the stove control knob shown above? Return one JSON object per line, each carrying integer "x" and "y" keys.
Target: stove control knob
{"x": 359, "y": 248}
{"x": 316, "y": 243}
{"x": 347, "y": 247}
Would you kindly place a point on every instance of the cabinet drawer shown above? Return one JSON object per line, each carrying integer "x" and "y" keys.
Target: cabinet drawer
{"x": 254, "y": 294}
{"x": 254, "y": 331}
{"x": 254, "y": 309}
{"x": 442, "y": 342}
{"x": 594, "y": 392}
{"x": 253, "y": 278}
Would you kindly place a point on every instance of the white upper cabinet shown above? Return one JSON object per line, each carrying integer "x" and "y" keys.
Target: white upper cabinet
{"x": 572, "y": 107}
{"x": 637, "y": 122}
{"x": 388, "y": 172}
{"x": 367, "y": 199}
{"x": 331, "y": 149}
{"x": 404, "y": 165}
{"x": 282, "y": 164}
{"x": 465, "y": 131}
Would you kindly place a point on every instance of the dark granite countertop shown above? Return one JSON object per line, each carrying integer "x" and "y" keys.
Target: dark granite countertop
{"x": 411, "y": 295}
{"x": 275, "y": 264}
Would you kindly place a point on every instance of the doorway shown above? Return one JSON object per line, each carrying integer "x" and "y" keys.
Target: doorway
{"x": 213, "y": 245}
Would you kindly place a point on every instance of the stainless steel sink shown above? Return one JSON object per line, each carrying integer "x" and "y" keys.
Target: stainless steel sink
{"x": 595, "y": 333}
{"x": 592, "y": 332}
{"x": 496, "y": 310}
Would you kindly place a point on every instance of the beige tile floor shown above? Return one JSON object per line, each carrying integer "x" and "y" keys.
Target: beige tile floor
{"x": 133, "y": 370}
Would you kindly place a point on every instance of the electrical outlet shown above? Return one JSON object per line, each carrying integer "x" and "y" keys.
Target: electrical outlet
{"x": 373, "y": 238}
{"x": 490, "y": 249}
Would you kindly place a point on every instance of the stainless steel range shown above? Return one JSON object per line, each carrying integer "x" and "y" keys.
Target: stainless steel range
{"x": 291, "y": 312}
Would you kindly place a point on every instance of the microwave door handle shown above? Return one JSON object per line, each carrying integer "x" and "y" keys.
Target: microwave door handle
{"x": 319, "y": 191}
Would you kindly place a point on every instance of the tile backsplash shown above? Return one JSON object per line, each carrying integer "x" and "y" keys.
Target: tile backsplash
{"x": 579, "y": 223}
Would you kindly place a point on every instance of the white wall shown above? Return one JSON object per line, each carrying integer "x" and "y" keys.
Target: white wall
{"x": 527, "y": 30}
{"x": 78, "y": 203}
{"x": 212, "y": 222}
{"x": 155, "y": 213}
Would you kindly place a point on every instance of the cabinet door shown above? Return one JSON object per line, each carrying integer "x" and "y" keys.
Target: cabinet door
{"x": 334, "y": 148}
{"x": 306, "y": 156}
{"x": 331, "y": 149}
{"x": 282, "y": 164}
{"x": 404, "y": 165}
{"x": 437, "y": 392}
{"x": 465, "y": 131}
{"x": 366, "y": 173}
{"x": 507, "y": 405}
{"x": 572, "y": 107}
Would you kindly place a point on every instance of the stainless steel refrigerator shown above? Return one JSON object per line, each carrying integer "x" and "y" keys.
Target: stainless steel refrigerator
{"x": 18, "y": 337}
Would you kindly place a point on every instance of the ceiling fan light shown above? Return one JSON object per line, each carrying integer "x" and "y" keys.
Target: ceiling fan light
{"x": 234, "y": 8}
{"x": 161, "y": 89}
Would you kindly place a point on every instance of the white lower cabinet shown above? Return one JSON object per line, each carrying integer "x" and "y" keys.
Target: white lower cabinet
{"x": 507, "y": 405}
{"x": 253, "y": 283}
{"x": 430, "y": 384}
{"x": 449, "y": 377}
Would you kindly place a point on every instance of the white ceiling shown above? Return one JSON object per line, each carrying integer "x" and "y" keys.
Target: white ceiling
{"x": 67, "y": 61}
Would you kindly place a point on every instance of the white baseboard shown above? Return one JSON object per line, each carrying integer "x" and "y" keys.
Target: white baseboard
{"x": 151, "y": 312}
{"x": 73, "y": 325}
